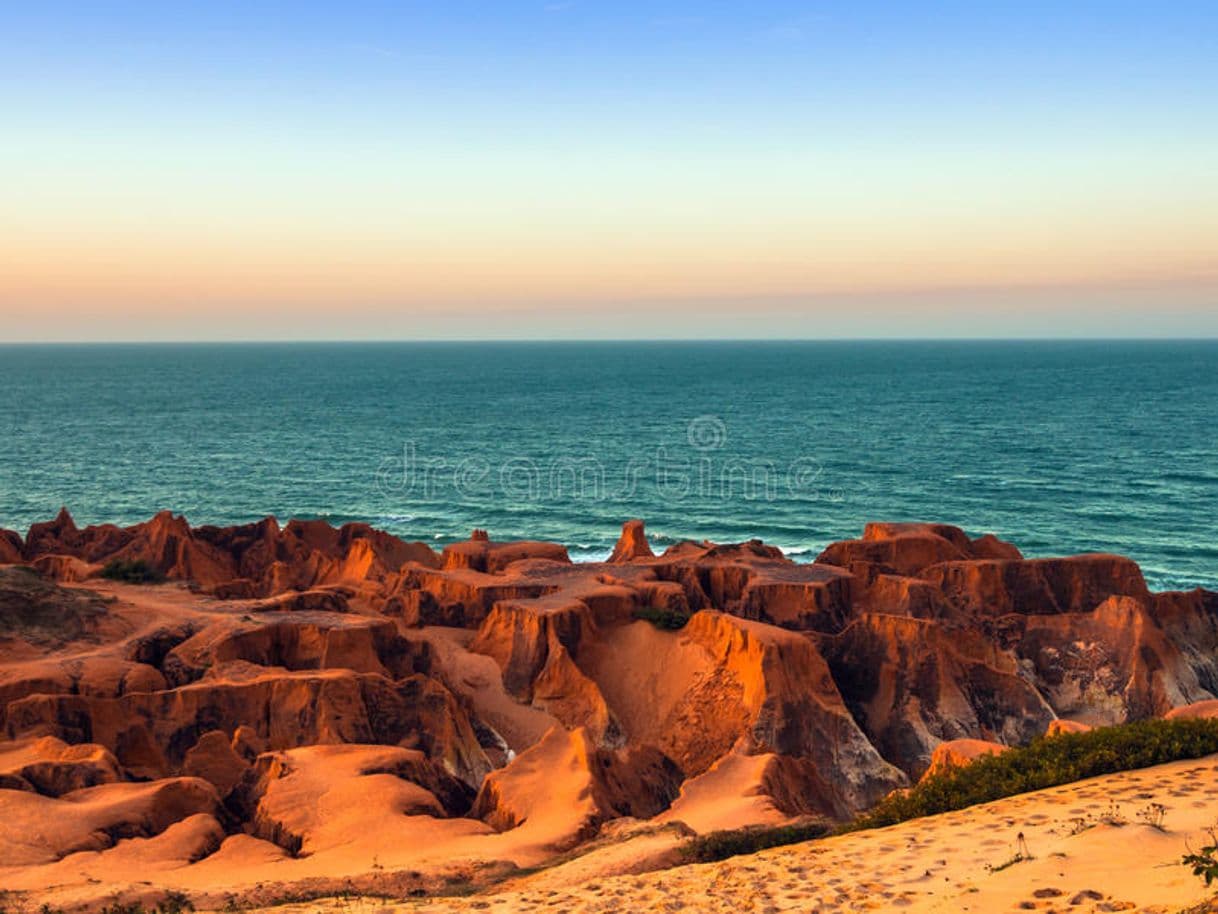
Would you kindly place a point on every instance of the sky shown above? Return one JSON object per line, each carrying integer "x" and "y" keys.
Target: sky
{"x": 580, "y": 169}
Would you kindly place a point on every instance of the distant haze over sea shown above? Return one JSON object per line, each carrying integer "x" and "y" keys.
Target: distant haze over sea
{"x": 1061, "y": 447}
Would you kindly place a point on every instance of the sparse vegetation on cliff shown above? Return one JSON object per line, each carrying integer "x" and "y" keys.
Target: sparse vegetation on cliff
{"x": 667, "y": 619}
{"x": 132, "y": 571}
{"x": 1048, "y": 762}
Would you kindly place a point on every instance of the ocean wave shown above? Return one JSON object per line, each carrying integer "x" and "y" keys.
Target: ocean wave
{"x": 798, "y": 550}
{"x": 585, "y": 556}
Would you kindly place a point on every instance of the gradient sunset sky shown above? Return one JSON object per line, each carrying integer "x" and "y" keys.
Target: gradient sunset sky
{"x": 584, "y": 169}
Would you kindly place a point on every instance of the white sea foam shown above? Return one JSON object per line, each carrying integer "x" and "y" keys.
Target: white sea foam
{"x": 798, "y": 550}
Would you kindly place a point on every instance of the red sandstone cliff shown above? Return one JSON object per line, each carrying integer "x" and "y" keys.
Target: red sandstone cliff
{"x": 307, "y": 667}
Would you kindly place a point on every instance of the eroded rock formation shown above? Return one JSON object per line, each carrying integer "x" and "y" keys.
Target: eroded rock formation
{"x": 313, "y": 695}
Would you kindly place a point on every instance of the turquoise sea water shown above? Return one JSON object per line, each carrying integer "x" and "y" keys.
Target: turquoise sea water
{"x": 1060, "y": 447}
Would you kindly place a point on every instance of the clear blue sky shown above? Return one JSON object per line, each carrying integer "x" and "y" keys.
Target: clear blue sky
{"x": 573, "y": 168}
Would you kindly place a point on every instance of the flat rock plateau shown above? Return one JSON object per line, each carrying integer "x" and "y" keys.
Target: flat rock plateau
{"x": 301, "y": 711}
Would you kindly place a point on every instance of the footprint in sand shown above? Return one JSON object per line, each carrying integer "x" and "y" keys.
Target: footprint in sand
{"x": 1086, "y": 895}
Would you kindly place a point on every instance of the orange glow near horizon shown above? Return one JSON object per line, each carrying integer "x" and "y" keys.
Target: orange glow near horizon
{"x": 140, "y": 276}
{"x": 269, "y": 185}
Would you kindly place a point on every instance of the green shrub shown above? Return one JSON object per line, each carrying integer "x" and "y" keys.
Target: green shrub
{"x": 172, "y": 902}
{"x": 1047, "y": 762}
{"x": 132, "y": 571}
{"x": 719, "y": 845}
{"x": 1204, "y": 863}
{"x": 668, "y": 619}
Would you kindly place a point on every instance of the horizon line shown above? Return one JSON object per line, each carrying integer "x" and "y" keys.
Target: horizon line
{"x": 607, "y": 341}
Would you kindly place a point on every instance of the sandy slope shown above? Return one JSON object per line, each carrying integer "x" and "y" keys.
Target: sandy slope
{"x": 1081, "y": 862}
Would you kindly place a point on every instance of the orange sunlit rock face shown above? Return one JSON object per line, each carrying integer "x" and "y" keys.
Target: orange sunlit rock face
{"x": 310, "y": 705}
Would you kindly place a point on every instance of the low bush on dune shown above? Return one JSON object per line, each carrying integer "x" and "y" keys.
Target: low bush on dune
{"x": 1047, "y": 762}
{"x": 667, "y": 619}
{"x": 170, "y": 903}
{"x": 719, "y": 845}
{"x": 131, "y": 571}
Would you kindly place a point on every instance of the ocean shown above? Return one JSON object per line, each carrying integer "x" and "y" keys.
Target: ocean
{"x": 1061, "y": 447}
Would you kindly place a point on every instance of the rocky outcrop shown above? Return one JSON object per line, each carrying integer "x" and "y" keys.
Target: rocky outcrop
{"x": 293, "y": 641}
{"x": 907, "y": 549}
{"x": 744, "y": 789}
{"x": 249, "y": 560}
{"x": 1061, "y": 726}
{"x": 66, "y": 568}
{"x": 98, "y": 675}
{"x": 749, "y": 680}
{"x": 534, "y": 642}
{"x": 914, "y": 683}
{"x": 754, "y": 581}
{"x": 563, "y": 788}
{"x": 461, "y": 598}
{"x": 1107, "y": 666}
{"x": 10, "y": 547}
{"x": 1190, "y": 622}
{"x": 304, "y": 798}
{"x": 1202, "y": 710}
{"x": 55, "y": 536}
{"x": 958, "y": 753}
{"x": 876, "y": 590}
{"x": 801, "y": 597}
{"x": 994, "y": 587}
{"x": 775, "y": 688}
{"x": 632, "y": 544}
{"x": 151, "y": 732}
{"x": 37, "y": 829}
{"x": 51, "y": 767}
{"x": 522, "y": 634}
{"x": 167, "y": 544}
{"x": 480, "y": 553}
{"x": 213, "y": 759}
{"x": 901, "y": 550}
